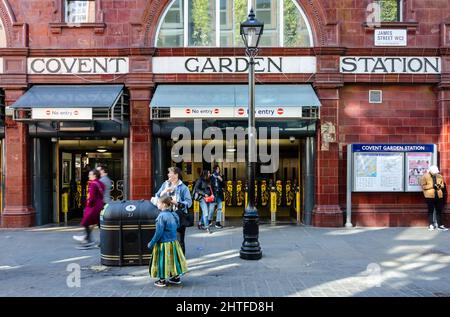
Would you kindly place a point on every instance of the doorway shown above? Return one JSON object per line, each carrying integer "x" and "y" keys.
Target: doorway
{"x": 286, "y": 181}
{"x": 75, "y": 159}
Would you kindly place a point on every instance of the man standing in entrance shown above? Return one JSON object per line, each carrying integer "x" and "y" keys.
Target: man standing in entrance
{"x": 433, "y": 189}
{"x": 107, "y": 182}
{"x": 218, "y": 187}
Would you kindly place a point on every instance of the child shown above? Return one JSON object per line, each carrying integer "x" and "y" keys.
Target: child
{"x": 168, "y": 262}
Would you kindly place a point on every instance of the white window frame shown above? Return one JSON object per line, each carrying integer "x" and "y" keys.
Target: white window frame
{"x": 77, "y": 14}
{"x": 272, "y": 11}
{"x": 250, "y": 3}
{"x": 174, "y": 25}
{"x": 400, "y": 4}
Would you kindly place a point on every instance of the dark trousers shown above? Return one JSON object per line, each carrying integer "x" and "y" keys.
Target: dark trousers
{"x": 87, "y": 229}
{"x": 435, "y": 204}
{"x": 182, "y": 231}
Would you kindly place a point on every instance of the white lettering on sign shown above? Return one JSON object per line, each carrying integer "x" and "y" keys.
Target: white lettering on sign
{"x": 78, "y": 65}
{"x": 199, "y": 65}
{"x": 235, "y": 112}
{"x": 201, "y": 112}
{"x": 1, "y": 65}
{"x": 61, "y": 113}
{"x": 270, "y": 112}
{"x": 388, "y": 37}
{"x": 390, "y": 65}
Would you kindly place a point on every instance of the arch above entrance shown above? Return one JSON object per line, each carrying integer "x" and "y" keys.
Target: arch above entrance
{"x": 313, "y": 11}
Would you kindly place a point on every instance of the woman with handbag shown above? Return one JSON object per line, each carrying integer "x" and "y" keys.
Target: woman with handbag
{"x": 181, "y": 198}
{"x": 204, "y": 194}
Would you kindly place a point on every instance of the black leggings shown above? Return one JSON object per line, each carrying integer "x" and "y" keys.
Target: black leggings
{"x": 182, "y": 231}
{"x": 88, "y": 233}
{"x": 438, "y": 204}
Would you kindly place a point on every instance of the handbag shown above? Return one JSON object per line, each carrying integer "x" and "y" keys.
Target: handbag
{"x": 211, "y": 198}
{"x": 186, "y": 218}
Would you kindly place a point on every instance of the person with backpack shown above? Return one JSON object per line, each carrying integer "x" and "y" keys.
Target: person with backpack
{"x": 168, "y": 262}
{"x": 204, "y": 194}
{"x": 218, "y": 187}
{"x": 433, "y": 188}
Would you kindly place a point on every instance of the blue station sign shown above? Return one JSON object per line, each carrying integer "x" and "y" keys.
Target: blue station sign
{"x": 393, "y": 147}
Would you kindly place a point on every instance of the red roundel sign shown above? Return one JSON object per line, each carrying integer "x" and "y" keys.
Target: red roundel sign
{"x": 75, "y": 112}
{"x": 216, "y": 111}
{"x": 280, "y": 111}
{"x": 188, "y": 111}
{"x": 47, "y": 112}
{"x": 241, "y": 111}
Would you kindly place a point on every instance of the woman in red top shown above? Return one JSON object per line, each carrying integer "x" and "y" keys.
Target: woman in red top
{"x": 94, "y": 206}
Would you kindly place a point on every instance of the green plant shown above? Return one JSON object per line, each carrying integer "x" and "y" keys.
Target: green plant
{"x": 202, "y": 29}
{"x": 240, "y": 15}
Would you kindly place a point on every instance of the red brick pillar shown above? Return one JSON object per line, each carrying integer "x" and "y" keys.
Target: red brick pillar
{"x": 444, "y": 140}
{"x": 140, "y": 144}
{"x": 18, "y": 211}
{"x": 327, "y": 212}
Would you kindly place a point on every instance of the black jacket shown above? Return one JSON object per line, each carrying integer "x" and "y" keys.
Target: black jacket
{"x": 218, "y": 186}
{"x": 202, "y": 187}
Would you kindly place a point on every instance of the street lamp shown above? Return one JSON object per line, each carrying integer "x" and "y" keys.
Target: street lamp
{"x": 251, "y": 31}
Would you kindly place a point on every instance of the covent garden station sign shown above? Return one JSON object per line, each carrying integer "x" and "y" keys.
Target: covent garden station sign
{"x": 202, "y": 65}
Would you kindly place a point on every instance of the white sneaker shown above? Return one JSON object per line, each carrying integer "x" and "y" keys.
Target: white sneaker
{"x": 79, "y": 238}
{"x": 442, "y": 228}
{"x": 430, "y": 228}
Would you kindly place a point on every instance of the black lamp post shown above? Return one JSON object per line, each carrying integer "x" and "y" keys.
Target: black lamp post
{"x": 251, "y": 31}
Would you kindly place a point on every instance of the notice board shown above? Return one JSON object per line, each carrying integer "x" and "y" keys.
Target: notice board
{"x": 390, "y": 167}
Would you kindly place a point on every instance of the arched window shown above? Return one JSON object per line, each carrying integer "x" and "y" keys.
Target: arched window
{"x": 2, "y": 35}
{"x": 216, "y": 23}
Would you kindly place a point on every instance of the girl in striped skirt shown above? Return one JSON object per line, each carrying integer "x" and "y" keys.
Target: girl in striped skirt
{"x": 168, "y": 262}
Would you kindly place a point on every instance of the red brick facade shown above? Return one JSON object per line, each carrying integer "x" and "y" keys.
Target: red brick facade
{"x": 414, "y": 109}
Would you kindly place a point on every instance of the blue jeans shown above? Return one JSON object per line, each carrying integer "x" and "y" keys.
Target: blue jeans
{"x": 218, "y": 202}
{"x": 206, "y": 212}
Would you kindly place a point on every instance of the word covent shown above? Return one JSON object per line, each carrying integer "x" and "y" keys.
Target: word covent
{"x": 78, "y": 65}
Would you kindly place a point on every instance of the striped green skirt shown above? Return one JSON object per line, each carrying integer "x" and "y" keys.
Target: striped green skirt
{"x": 167, "y": 260}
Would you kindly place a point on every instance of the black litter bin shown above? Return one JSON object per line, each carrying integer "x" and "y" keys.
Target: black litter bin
{"x": 126, "y": 229}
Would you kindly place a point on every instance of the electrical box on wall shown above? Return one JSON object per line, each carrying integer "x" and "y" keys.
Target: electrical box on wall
{"x": 375, "y": 96}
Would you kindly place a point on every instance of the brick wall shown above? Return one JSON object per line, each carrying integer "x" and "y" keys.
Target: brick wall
{"x": 408, "y": 114}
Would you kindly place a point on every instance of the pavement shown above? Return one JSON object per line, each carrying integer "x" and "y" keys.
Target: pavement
{"x": 297, "y": 261}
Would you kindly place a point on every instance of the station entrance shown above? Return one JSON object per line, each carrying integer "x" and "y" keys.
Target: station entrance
{"x": 274, "y": 192}
{"x": 75, "y": 159}
{"x": 282, "y": 194}
{"x": 286, "y": 114}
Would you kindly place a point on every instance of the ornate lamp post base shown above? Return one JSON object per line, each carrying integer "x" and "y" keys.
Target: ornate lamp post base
{"x": 251, "y": 250}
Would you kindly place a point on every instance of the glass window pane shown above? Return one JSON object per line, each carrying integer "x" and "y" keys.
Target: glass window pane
{"x": 389, "y": 10}
{"x": 263, "y": 4}
{"x": 267, "y": 12}
{"x": 226, "y": 23}
{"x": 171, "y": 33}
{"x": 202, "y": 23}
{"x": 295, "y": 30}
{"x": 240, "y": 15}
{"x": 80, "y": 11}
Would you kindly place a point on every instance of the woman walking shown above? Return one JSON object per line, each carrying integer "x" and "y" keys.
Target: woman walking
{"x": 94, "y": 206}
{"x": 204, "y": 194}
{"x": 168, "y": 262}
